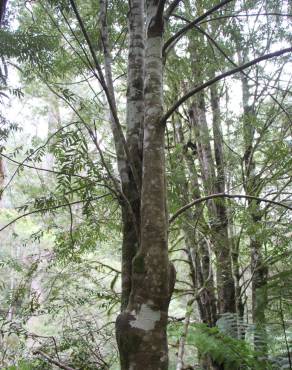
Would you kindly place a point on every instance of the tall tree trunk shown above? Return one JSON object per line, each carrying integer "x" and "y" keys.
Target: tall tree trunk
{"x": 197, "y": 249}
{"x": 216, "y": 210}
{"x": 141, "y": 328}
{"x": 130, "y": 202}
{"x": 252, "y": 187}
{"x": 227, "y": 303}
{"x": 211, "y": 183}
{"x": 134, "y": 120}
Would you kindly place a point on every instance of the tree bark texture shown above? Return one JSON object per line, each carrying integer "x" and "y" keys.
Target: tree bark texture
{"x": 141, "y": 328}
{"x": 134, "y": 120}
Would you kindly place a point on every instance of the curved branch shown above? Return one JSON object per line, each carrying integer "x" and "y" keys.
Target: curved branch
{"x": 224, "y": 195}
{"x": 171, "y": 8}
{"x": 247, "y": 15}
{"x": 173, "y": 39}
{"x": 244, "y": 73}
{"x": 221, "y": 77}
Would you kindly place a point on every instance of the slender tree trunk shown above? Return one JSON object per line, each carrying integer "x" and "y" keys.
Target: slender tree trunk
{"x": 259, "y": 295}
{"x": 197, "y": 249}
{"x": 130, "y": 202}
{"x": 213, "y": 179}
{"x": 227, "y": 303}
{"x": 182, "y": 342}
{"x": 252, "y": 187}
{"x": 134, "y": 119}
{"x": 216, "y": 210}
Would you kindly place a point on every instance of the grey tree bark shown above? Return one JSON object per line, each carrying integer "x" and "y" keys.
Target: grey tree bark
{"x": 141, "y": 327}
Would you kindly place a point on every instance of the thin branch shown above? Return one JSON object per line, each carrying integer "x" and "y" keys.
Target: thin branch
{"x": 280, "y": 192}
{"x": 20, "y": 164}
{"x": 221, "y": 77}
{"x": 89, "y": 65}
{"x": 245, "y": 15}
{"x": 90, "y": 132}
{"x": 234, "y": 16}
{"x": 46, "y": 209}
{"x": 108, "y": 266}
{"x": 119, "y": 191}
{"x": 52, "y": 361}
{"x": 173, "y": 39}
{"x": 244, "y": 73}
{"x": 171, "y": 8}
{"x": 34, "y": 152}
{"x": 224, "y": 195}
{"x": 71, "y": 222}
{"x": 79, "y": 43}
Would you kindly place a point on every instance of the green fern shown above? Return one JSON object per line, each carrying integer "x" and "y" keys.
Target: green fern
{"x": 223, "y": 349}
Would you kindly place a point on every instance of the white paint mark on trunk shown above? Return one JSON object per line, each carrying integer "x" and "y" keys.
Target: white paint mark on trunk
{"x": 146, "y": 318}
